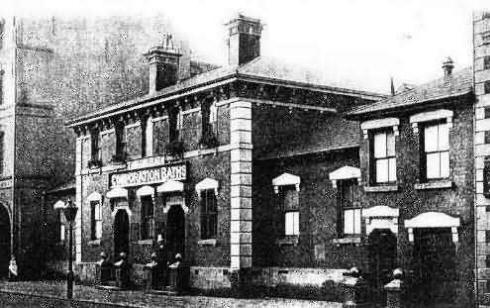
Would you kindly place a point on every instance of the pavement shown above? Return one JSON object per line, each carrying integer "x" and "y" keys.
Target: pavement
{"x": 97, "y": 297}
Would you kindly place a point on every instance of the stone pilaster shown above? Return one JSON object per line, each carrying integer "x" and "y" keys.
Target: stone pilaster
{"x": 241, "y": 185}
{"x": 78, "y": 200}
{"x": 481, "y": 30}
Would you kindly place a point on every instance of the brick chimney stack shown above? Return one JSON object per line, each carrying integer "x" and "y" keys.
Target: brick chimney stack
{"x": 164, "y": 65}
{"x": 448, "y": 66}
{"x": 243, "y": 39}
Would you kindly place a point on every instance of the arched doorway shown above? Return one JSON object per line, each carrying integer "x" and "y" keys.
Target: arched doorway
{"x": 175, "y": 231}
{"x": 4, "y": 241}
{"x": 382, "y": 260}
{"x": 121, "y": 233}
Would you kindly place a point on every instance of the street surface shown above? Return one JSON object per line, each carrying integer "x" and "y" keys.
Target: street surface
{"x": 52, "y": 293}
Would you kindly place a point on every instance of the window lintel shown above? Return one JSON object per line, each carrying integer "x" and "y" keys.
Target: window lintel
{"x": 427, "y": 116}
{"x": 380, "y": 123}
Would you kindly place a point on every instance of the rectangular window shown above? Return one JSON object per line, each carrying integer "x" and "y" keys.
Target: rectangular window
{"x": 436, "y": 148}
{"x": 352, "y": 221}
{"x": 487, "y": 236}
{"x": 62, "y": 228}
{"x": 291, "y": 226}
{"x": 120, "y": 154}
{"x": 147, "y": 220}
{"x": 384, "y": 157}
{"x": 148, "y": 137}
{"x": 209, "y": 214}
{"x": 486, "y": 62}
{"x": 487, "y": 137}
{"x": 290, "y": 210}
{"x": 95, "y": 147}
{"x": 487, "y": 112}
{"x": 486, "y": 87}
{"x": 209, "y": 120}
{"x": 175, "y": 124}
{"x": 96, "y": 220}
{"x": 348, "y": 216}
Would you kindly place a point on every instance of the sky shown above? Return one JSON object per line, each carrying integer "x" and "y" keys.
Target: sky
{"x": 359, "y": 44}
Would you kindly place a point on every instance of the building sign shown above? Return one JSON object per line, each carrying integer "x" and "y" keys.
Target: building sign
{"x": 149, "y": 176}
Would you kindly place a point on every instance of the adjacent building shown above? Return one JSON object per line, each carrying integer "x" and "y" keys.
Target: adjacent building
{"x": 50, "y": 69}
{"x": 416, "y": 166}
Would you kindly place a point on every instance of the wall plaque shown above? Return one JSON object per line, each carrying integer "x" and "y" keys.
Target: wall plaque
{"x": 149, "y": 176}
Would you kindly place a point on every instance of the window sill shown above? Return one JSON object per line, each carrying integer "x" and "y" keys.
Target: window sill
{"x": 381, "y": 188}
{"x": 291, "y": 240}
{"x": 94, "y": 242}
{"x": 145, "y": 242}
{"x": 208, "y": 242}
{"x": 434, "y": 185}
{"x": 347, "y": 241}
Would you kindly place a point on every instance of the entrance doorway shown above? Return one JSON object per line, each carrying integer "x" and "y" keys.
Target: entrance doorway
{"x": 121, "y": 233}
{"x": 4, "y": 241}
{"x": 175, "y": 231}
{"x": 382, "y": 261}
{"x": 434, "y": 261}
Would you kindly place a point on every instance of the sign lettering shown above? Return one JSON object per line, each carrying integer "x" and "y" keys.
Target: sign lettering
{"x": 149, "y": 176}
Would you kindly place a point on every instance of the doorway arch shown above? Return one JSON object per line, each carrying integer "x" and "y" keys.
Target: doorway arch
{"x": 4, "y": 241}
{"x": 382, "y": 260}
{"x": 121, "y": 233}
{"x": 176, "y": 230}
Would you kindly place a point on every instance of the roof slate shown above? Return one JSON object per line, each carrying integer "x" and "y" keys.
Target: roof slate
{"x": 261, "y": 67}
{"x": 459, "y": 83}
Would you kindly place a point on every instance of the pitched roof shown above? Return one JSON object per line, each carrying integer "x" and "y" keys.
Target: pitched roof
{"x": 63, "y": 187}
{"x": 261, "y": 68}
{"x": 459, "y": 83}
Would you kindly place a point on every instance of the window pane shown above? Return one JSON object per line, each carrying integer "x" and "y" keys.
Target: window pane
{"x": 433, "y": 164}
{"x": 296, "y": 223}
{"x": 97, "y": 211}
{"x": 380, "y": 145}
{"x": 289, "y": 228}
{"x": 291, "y": 198}
{"x": 98, "y": 229}
{"x": 348, "y": 221}
{"x": 62, "y": 232}
{"x": 444, "y": 164}
{"x": 392, "y": 170}
{"x": 382, "y": 170}
{"x": 430, "y": 138}
{"x": 390, "y": 144}
{"x": 357, "y": 221}
{"x": 443, "y": 137}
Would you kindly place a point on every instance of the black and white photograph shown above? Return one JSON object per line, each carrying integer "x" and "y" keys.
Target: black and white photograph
{"x": 261, "y": 153}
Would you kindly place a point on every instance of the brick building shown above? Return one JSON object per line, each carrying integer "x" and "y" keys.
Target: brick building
{"x": 51, "y": 68}
{"x": 229, "y": 167}
{"x": 416, "y": 159}
{"x": 481, "y": 66}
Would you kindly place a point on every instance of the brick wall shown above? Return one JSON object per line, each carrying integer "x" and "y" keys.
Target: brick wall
{"x": 481, "y": 24}
{"x": 213, "y": 166}
{"x": 318, "y": 214}
{"x": 456, "y": 201}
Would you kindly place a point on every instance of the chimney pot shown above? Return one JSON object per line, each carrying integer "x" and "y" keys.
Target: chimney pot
{"x": 447, "y": 67}
{"x": 243, "y": 39}
{"x": 163, "y": 64}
